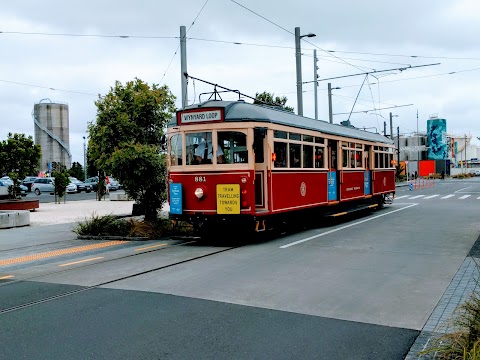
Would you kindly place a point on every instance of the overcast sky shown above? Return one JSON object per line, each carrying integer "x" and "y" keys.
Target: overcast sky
{"x": 365, "y": 35}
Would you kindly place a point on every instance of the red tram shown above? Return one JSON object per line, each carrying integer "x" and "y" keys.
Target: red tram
{"x": 252, "y": 166}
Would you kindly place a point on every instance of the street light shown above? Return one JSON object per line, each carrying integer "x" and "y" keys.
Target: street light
{"x": 298, "y": 58}
{"x": 330, "y": 114}
{"x": 84, "y": 161}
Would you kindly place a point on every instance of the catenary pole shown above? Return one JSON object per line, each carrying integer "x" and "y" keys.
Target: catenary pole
{"x": 298, "y": 58}
{"x": 315, "y": 84}
{"x": 330, "y": 113}
{"x": 183, "y": 65}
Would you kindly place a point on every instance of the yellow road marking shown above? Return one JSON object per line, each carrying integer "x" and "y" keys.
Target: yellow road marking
{"x": 340, "y": 214}
{"x": 81, "y": 261}
{"x": 150, "y": 247}
{"x": 6, "y": 277}
{"x": 54, "y": 253}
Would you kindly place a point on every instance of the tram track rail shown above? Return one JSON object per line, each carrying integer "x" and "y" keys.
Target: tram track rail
{"x": 88, "y": 288}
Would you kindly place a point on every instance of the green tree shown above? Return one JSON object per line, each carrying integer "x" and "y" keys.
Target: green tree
{"x": 77, "y": 171}
{"x": 146, "y": 180}
{"x": 61, "y": 183}
{"x": 132, "y": 117}
{"x": 19, "y": 157}
{"x": 271, "y": 99}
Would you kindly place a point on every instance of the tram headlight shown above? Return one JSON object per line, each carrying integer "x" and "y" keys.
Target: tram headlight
{"x": 199, "y": 193}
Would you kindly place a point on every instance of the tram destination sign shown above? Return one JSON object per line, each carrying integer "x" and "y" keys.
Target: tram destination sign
{"x": 193, "y": 117}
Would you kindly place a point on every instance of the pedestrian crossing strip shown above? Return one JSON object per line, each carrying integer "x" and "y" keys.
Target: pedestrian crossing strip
{"x": 414, "y": 197}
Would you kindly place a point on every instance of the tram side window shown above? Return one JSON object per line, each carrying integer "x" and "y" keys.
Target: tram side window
{"x": 234, "y": 147}
{"x": 345, "y": 158}
{"x": 280, "y": 150}
{"x": 319, "y": 157}
{"x": 295, "y": 155}
{"x": 307, "y": 156}
{"x": 176, "y": 150}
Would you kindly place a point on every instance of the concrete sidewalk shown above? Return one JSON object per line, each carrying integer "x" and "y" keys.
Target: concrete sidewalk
{"x": 73, "y": 211}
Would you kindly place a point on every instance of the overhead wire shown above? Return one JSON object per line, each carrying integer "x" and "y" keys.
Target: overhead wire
{"x": 178, "y": 46}
{"x": 288, "y": 31}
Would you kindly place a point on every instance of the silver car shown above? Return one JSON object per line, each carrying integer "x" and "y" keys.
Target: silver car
{"x": 43, "y": 185}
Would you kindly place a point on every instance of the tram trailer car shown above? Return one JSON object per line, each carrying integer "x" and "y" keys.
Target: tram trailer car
{"x": 253, "y": 167}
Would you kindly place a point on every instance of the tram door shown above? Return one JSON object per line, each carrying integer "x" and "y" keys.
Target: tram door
{"x": 333, "y": 174}
{"x": 260, "y": 147}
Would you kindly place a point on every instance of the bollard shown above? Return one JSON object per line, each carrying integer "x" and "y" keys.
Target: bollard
{"x": 410, "y": 186}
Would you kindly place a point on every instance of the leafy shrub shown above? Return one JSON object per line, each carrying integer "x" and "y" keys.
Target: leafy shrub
{"x": 110, "y": 225}
{"x": 463, "y": 342}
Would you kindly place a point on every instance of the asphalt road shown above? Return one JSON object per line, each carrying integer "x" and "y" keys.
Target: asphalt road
{"x": 46, "y": 197}
{"x": 361, "y": 288}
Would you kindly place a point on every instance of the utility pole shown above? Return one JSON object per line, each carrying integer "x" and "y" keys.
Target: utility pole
{"x": 398, "y": 145}
{"x": 418, "y": 137}
{"x": 465, "y": 159}
{"x": 384, "y": 128}
{"x": 330, "y": 114}
{"x": 298, "y": 58}
{"x": 391, "y": 126}
{"x": 315, "y": 84}
{"x": 84, "y": 161}
{"x": 183, "y": 65}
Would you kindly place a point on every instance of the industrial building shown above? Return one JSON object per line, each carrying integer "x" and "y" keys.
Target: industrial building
{"x": 436, "y": 150}
{"x": 52, "y": 133}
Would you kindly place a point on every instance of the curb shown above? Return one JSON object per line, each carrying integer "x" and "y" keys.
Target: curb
{"x": 108, "y": 237}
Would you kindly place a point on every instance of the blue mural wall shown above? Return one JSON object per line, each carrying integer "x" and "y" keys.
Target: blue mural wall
{"x": 437, "y": 139}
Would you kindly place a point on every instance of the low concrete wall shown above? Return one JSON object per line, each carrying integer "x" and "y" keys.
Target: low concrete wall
{"x": 10, "y": 219}
{"x": 118, "y": 197}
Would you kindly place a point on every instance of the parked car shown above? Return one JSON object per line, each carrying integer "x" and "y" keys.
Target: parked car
{"x": 474, "y": 172}
{"x": 28, "y": 181}
{"x": 6, "y": 182}
{"x": 71, "y": 188}
{"x": 48, "y": 185}
{"x": 43, "y": 185}
{"x": 114, "y": 185}
{"x": 93, "y": 181}
{"x": 81, "y": 186}
{"x": 3, "y": 189}
{"x": 23, "y": 190}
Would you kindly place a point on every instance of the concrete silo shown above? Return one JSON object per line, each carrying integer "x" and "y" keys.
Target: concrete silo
{"x": 52, "y": 133}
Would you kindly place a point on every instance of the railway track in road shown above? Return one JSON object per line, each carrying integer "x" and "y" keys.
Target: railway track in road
{"x": 87, "y": 288}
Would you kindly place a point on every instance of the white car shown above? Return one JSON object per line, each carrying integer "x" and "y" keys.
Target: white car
{"x": 48, "y": 185}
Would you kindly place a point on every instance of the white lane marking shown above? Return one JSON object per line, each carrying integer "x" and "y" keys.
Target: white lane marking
{"x": 401, "y": 197}
{"x": 464, "y": 197}
{"x": 468, "y": 187}
{"x": 416, "y": 197}
{"x": 344, "y": 227}
{"x": 446, "y": 197}
{"x": 431, "y": 196}
{"x": 478, "y": 198}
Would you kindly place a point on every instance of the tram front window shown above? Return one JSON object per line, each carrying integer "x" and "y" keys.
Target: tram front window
{"x": 176, "y": 149}
{"x": 233, "y": 145}
{"x": 199, "y": 148}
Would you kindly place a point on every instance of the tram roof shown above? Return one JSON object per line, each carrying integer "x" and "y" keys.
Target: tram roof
{"x": 242, "y": 111}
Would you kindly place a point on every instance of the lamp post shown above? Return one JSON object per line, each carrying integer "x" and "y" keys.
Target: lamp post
{"x": 84, "y": 161}
{"x": 330, "y": 113}
{"x": 298, "y": 58}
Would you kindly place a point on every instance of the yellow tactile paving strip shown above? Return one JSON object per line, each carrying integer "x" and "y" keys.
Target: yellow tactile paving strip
{"x": 50, "y": 254}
